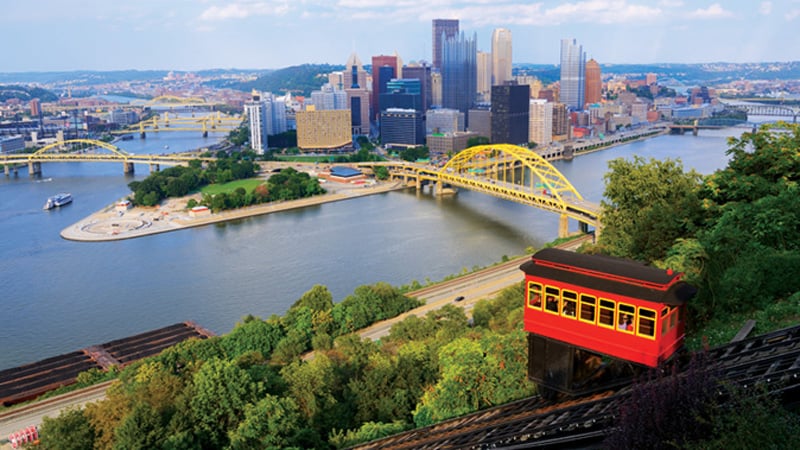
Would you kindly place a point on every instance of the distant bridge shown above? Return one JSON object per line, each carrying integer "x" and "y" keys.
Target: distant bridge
{"x": 203, "y": 125}
{"x": 509, "y": 172}
{"x": 89, "y": 150}
{"x": 767, "y": 110}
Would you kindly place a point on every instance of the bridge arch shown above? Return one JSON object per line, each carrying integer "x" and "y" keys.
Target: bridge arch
{"x": 174, "y": 99}
{"x": 513, "y": 173}
{"x": 57, "y": 145}
{"x": 484, "y": 157}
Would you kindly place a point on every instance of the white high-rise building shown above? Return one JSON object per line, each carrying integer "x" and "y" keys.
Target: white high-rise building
{"x": 266, "y": 116}
{"x": 484, "y": 76}
{"x": 444, "y": 120}
{"x": 540, "y": 129}
{"x": 329, "y": 98}
{"x": 501, "y": 56}
{"x": 573, "y": 79}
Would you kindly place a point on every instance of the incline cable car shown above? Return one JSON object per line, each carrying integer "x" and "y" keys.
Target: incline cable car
{"x": 594, "y": 321}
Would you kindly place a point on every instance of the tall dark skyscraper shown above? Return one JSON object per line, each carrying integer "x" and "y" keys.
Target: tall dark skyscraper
{"x": 460, "y": 73}
{"x": 510, "y": 114}
{"x": 384, "y": 68}
{"x": 422, "y": 73}
{"x": 448, "y": 27}
{"x": 573, "y": 80}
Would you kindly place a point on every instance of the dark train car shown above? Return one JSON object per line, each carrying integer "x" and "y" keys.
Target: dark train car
{"x": 582, "y": 308}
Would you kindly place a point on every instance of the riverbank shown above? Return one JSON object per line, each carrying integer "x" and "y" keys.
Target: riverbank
{"x": 109, "y": 224}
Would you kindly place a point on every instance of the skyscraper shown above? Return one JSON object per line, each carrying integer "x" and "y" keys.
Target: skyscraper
{"x": 384, "y": 68}
{"x": 459, "y": 72}
{"x": 510, "y": 114}
{"x": 355, "y": 81}
{"x": 448, "y": 27}
{"x": 594, "y": 82}
{"x": 541, "y": 122}
{"x": 421, "y": 72}
{"x": 501, "y": 56}
{"x": 573, "y": 65}
{"x": 484, "y": 61}
{"x": 259, "y": 114}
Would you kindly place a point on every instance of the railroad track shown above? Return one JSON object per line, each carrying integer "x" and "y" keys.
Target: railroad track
{"x": 772, "y": 360}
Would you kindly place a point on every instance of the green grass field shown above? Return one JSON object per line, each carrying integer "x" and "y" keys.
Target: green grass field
{"x": 248, "y": 185}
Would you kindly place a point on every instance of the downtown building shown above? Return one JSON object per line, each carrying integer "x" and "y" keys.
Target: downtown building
{"x": 510, "y": 114}
{"x": 266, "y": 116}
{"x": 358, "y": 96}
{"x": 573, "y": 66}
{"x": 326, "y": 130}
{"x": 402, "y": 127}
{"x": 501, "y": 56}
{"x": 459, "y": 73}
{"x": 594, "y": 82}
{"x": 444, "y": 121}
{"x": 443, "y": 29}
{"x": 541, "y": 122}
{"x": 421, "y": 72}
{"x": 384, "y": 69}
{"x": 484, "y": 81}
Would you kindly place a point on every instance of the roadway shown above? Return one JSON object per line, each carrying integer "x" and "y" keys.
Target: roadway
{"x": 473, "y": 287}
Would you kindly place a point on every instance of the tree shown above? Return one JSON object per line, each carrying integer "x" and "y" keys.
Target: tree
{"x": 647, "y": 206}
{"x": 477, "y": 140}
{"x": 71, "y": 430}
{"x": 220, "y": 392}
{"x": 271, "y": 423}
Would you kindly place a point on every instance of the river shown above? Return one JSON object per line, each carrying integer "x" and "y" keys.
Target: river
{"x": 58, "y": 296}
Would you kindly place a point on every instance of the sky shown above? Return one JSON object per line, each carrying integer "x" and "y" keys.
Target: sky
{"x": 61, "y": 35}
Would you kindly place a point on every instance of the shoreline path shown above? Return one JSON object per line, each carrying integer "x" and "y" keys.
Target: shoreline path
{"x": 109, "y": 224}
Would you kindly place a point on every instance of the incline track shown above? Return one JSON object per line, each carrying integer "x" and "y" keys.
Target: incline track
{"x": 772, "y": 359}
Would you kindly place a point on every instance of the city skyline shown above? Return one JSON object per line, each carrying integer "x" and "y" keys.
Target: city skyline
{"x": 50, "y": 35}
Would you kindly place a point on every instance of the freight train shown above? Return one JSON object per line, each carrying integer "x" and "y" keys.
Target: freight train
{"x": 594, "y": 321}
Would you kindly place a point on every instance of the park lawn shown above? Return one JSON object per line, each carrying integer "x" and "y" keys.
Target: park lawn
{"x": 248, "y": 184}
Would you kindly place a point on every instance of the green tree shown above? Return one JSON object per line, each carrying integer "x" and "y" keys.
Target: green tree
{"x": 220, "y": 393}
{"x": 647, "y": 206}
{"x": 477, "y": 140}
{"x": 71, "y": 430}
{"x": 272, "y": 423}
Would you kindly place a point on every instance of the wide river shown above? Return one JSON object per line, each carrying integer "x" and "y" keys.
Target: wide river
{"x": 58, "y": 296}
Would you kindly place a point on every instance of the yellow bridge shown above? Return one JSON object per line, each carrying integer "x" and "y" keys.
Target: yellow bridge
{"x": 204, "y": 124}
{"x": 509, "y": 172}
{"x": 90, "y": 150}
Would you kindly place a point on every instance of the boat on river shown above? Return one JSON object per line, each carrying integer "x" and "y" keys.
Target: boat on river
{"x": 58, "y": 200}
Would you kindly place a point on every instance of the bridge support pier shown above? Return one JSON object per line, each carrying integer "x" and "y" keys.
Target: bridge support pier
{"x": 694, "y": 131}
{"x": 155, "y": 168}
{"x": 8, "y": 168}
{"x": 127, "y": 168}
{"x": 563, "y": 226}
{"x": 142, "y": 135}
{"x": 34, "y": 168}
{"x": 205, "y": 133}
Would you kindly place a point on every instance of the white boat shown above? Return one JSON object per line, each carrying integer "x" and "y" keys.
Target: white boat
{"x": 57, "y": 200}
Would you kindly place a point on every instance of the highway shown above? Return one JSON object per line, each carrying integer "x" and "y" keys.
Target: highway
{"x": 473, "y": 287}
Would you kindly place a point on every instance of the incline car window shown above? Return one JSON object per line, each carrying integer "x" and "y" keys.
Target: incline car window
{"x": 570, "y": 304}
{"x": 552, "y": 297}
{"x": 606, "y": 313}
{"x": 534, "y": 295}
{"x": 588, "y": 307}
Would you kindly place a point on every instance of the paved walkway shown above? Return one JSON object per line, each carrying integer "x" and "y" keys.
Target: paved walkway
{"x": 109, "y": 224}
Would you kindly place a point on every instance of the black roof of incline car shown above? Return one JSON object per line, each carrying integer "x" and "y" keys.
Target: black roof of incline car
{"x": 609, "y": 274}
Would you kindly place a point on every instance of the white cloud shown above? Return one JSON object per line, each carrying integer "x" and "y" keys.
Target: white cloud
{"x": 244, "y": 9}
{"x": 714, "y": 11}
{"x": 765, "y": 8}
{"x": 793, "y": 14}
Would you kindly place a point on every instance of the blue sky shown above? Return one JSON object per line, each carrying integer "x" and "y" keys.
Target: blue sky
{"x": 46, "y": 35}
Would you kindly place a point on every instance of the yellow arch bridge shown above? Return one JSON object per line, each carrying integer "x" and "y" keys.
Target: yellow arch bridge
{"x": 90, "y": 150}
{"x": 509, "y": 172}
{"x": 204, "y": 125}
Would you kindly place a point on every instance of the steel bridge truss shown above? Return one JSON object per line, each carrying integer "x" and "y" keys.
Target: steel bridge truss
{"x": 517, "y": 174}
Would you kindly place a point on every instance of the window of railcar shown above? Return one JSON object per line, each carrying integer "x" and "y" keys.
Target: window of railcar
{"x": 588, "y": 308}
{"x": 569, "y": 307}
{"x": 664, "y": 320}
{"x": 626, "y": 318}
{"x": 606, "y": 318}
{"x": 674, "y": 317}
{"x": 552, "y": 297}
{"x": 647, "y": 323}
{"x": 534, "y": 295}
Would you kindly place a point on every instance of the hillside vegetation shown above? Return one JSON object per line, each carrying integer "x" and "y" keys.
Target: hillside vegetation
{"x": 735, "y": 233}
